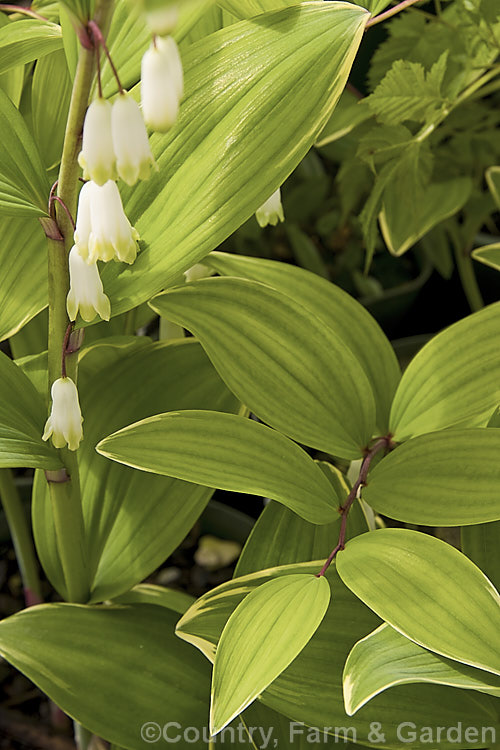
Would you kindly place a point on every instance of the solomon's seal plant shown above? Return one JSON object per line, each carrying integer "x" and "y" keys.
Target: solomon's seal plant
{"x": 146, "y": 149}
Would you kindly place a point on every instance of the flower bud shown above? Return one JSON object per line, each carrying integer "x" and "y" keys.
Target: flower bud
{"x": 130, "y": 140}
{"x": 103, "y": 232}
{"x": 65, "y": 421}
{"x": 97, "y": 157}
{"x": 86, "y": 291}
{"x": 271, "y": 211}
{"x": 162, "y": 84}
{"x": 198, "y": 271}
{"x": 163, "y": 21}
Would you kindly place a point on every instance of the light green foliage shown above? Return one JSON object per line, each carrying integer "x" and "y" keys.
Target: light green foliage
{"x": 453, "y": 381}
{"x": 227, "y": 452}
{"x": 336, "y": 310}
{"x": 386, "y": 658}
{"x": 407, "y": 92}
{"x": 447, "y": 478}
{"x": 57, "y": 645}
{"x": 310, "y": 689}
{"x": 116, "y": 389}
{"x": 415, "y": 583}
{"x": 49, "y": 113}
{"x": 262, "y": 637}
{"x": 27, "y": 40}
{"x": 289, "y": 390}
{"x": 282, "y": 67}
{"x": 291, "y": 370}
{"x": 22, "y": 417}
{"x": 304, "y": 541}
{"x": 23, "y": 281}
{"x": 24, "y": 186}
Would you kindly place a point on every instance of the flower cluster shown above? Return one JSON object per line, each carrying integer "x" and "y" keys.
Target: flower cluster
{"x": 115, "y": 145}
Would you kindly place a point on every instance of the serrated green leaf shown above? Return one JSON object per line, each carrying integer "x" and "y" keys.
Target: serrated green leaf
{"x": 262, "y": 637}
{"x": 407, "y": 92}
{"x": 454, "y": 381}
{"x": 336, "y": 309}
{"x": 227, "y": 452}
{"x": 23, "y": 281}
{"x": 428, "y": 591}
{"x": 121, "y": 663}
{"x": 225, "y": 156}
{"x": 24, "y": 188}
{"x": 127, "y": 387}
{"x": 385, "y": 658}
{"x": 27, "y": 40}
{"x": 447, "y": 478}
{"x": 22, "y": 418}
{"x": 291, "y": 371}
{"x": 310, "y": 689}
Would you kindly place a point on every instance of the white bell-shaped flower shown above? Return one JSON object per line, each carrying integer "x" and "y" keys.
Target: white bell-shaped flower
{"x": 103, "y": 232}
{"x": 271, "y": 211}
{"x": 65, "y": 421}
{"x": 86, "y": 293}
{"x": 83, "y": 225}
{"x": 162, "y": 84}
{"x": 163, "y": 21}
{"x": 130, "y": 140}
{"x": 97, "y": 157}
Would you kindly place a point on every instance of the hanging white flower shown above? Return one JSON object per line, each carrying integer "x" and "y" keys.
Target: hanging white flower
{"x": 86, "y": 293}
{"x": 130, "y": 140}
{"x": 163, "y": 21}
{"x": 65, "y": 421}
{"x": 97, "y": 157}
{"x": 271, "y": 211}
{"x": 103, "y": 232}
{"x": 162, "y": 84}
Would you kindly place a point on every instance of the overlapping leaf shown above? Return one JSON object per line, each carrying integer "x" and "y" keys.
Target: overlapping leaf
{"x": 24, "y": 188}
{"x": 453, "y": 381}
{"x": 281, "y": 537}
{"x": 131, "y": 384}
{"x": 261, "y": 638}
{"x": 428, "y": 591}
{"x": 22, "y": 418}
{"x": 121, "y": 663}
{"x": 336, "y": 309}
{"x": 225, "y": 155}
{"x": 447, "y": 478}
{"x": 227, "y": 452}
{"x": 279, "y": 360}
{"x": 27, "y": 40}
{"x": 310, "y": 689}
{"x": 385, "y": 658}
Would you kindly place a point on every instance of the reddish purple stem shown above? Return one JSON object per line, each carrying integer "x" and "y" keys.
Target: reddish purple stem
{"x": 380, "y": 444}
